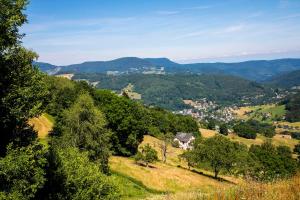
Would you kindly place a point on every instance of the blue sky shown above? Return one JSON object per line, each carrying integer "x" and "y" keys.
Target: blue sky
{"x": 73, "y": 31}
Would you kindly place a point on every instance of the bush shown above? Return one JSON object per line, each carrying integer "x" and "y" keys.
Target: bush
{"x": 295, "y": 135}
{"x": 146, "y": 155}
{"x": 223, "y": 129}
{"x": 244, "y": 130}
{"x": 175, "y": 143}
{"x": 22, "y": 172}
{"x": 79, "y": 178}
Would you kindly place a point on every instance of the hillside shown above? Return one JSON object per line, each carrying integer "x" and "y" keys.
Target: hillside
{"x": 286, "y": 80}
{"x": 168, "y": 91}
{"x": 257, "y": 70}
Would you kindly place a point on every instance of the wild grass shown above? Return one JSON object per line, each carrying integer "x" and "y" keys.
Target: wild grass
{"x": 42, "y": 124}
{"x": 248, "y": 190}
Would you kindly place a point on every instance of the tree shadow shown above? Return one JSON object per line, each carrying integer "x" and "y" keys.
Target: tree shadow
{"x": 207, "y": 175}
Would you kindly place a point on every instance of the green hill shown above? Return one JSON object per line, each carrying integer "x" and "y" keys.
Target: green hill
{"x": 168, "y": 91}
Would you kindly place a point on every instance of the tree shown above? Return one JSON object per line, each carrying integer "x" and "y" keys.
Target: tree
{"x": 22, "y": 172}
{"x": 76, "y": 177}
{"x": 22, "y": 87}
{"x": 128, "y": 120}
{"x": 272, "y": 163}
{"x": 166, "y": 140}
{"x": 223, "y": 129}
{"x": 220, "y": 153}
{"x": 243, "y": 129}
{"x": 146, "y": 155}
{"x": 83, "y": 126}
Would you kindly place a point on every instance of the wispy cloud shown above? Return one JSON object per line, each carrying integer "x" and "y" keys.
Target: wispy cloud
{"x": 231, "y": 29}
{"x": 289, "y": 16}
{"x": 199, "y": 7}
{"x": 167, "y": 12}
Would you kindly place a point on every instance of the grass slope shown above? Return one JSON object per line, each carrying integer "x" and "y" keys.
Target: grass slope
{"x": 42, "y": 124}
{"x": 274, "y": 111}
{"x": 163, "y": 177}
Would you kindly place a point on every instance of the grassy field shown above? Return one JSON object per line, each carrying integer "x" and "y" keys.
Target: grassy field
{"x": 276, "y": 140}
{"x": 170, "y": 177}
{"x": 248, "y": 190}
{"x": 170, "y": 182}
{"x": 258, "y": 112}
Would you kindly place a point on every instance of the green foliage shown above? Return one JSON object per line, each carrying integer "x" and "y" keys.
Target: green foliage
{"x": 76, "y": 177}
{"x": 130, "y": 121}
{"x": 293, "y": 108}
{"x": 63, "y": 94}
{"x": 83, "y": 126}
{"x": 168, "y": 91}
{"x": 211, "y": 124}
{"x": 223, "y": 129}
{"x": 22, "y": 172}
{"x": 219, "y": 152}
{"x": 169, "y": 122}
{"x": 127, "y": 119}
{"x": 250, "y": 128}
{"x": 146, "y": 155}
{"x": 297, "y": 149}
{"x": 22, "y": 88}
{"x": 271, "y": 162}
{"x": 245, "y": 130}
{"x": 295, "y": 135}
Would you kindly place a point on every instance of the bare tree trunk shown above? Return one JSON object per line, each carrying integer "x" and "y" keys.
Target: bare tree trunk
{"x": 216, "y": 173}
{"x": 164, "y": 151}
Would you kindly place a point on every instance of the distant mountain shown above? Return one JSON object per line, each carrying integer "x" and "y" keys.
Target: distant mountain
{"x": 120, "y": 64}
{"x": 286, "y": 80}
{"x": 46, "y": 67}
{"x": 258, "y": 70}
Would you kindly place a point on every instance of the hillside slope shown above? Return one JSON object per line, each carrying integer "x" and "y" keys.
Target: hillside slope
{"x": 168, "y": 91}
{"x": 286, "y": 80}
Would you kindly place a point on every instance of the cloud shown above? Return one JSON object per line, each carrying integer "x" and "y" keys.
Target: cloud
{"x": 167, "y": 12}
{"x": 231, "y": 29}
{"x": 289, "y": 16}
{"x": 199, "y": 7}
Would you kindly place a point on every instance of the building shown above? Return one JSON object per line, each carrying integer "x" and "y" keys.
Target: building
{"x": 184, "y": 140}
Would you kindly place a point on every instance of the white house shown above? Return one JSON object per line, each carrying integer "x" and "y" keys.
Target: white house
{"x": 184, "y": 140}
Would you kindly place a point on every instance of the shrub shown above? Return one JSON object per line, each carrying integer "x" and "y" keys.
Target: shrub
{"x": 296, "y": 135}
{"x": 146, "y": 155}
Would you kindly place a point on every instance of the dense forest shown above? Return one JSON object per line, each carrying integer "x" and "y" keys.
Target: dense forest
{"x": 168, "y": 91}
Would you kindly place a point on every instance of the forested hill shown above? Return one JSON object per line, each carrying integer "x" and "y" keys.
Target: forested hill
{"x": 168, "y": 91}
{"x": 287, "y": 80}
{"x": 258, "y": 70}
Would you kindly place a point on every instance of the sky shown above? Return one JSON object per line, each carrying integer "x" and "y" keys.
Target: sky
{"x": 65, "y": 32}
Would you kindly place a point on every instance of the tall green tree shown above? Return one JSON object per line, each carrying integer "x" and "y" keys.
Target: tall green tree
{"x": 127, "y": 119}
{"x": 83, "y": 126}
{"x": 22, "y": 88}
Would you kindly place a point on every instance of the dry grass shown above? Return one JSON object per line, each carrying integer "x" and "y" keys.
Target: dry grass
{"x": 165, "y": 177}
{"x": 42, "y": 125}
{"x": 172, "y": 152}
{"x": 241, "y": 112}
{"x": 207, "y": 133}
{"x": 294, "y": 124}
{"x": 277, "y": 140}
{"x": 68, "y": 76}
{"x": 282, "y": 190}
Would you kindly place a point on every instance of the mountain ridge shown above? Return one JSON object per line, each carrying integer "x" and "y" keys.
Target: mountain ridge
{"x": 255, "y": 70}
